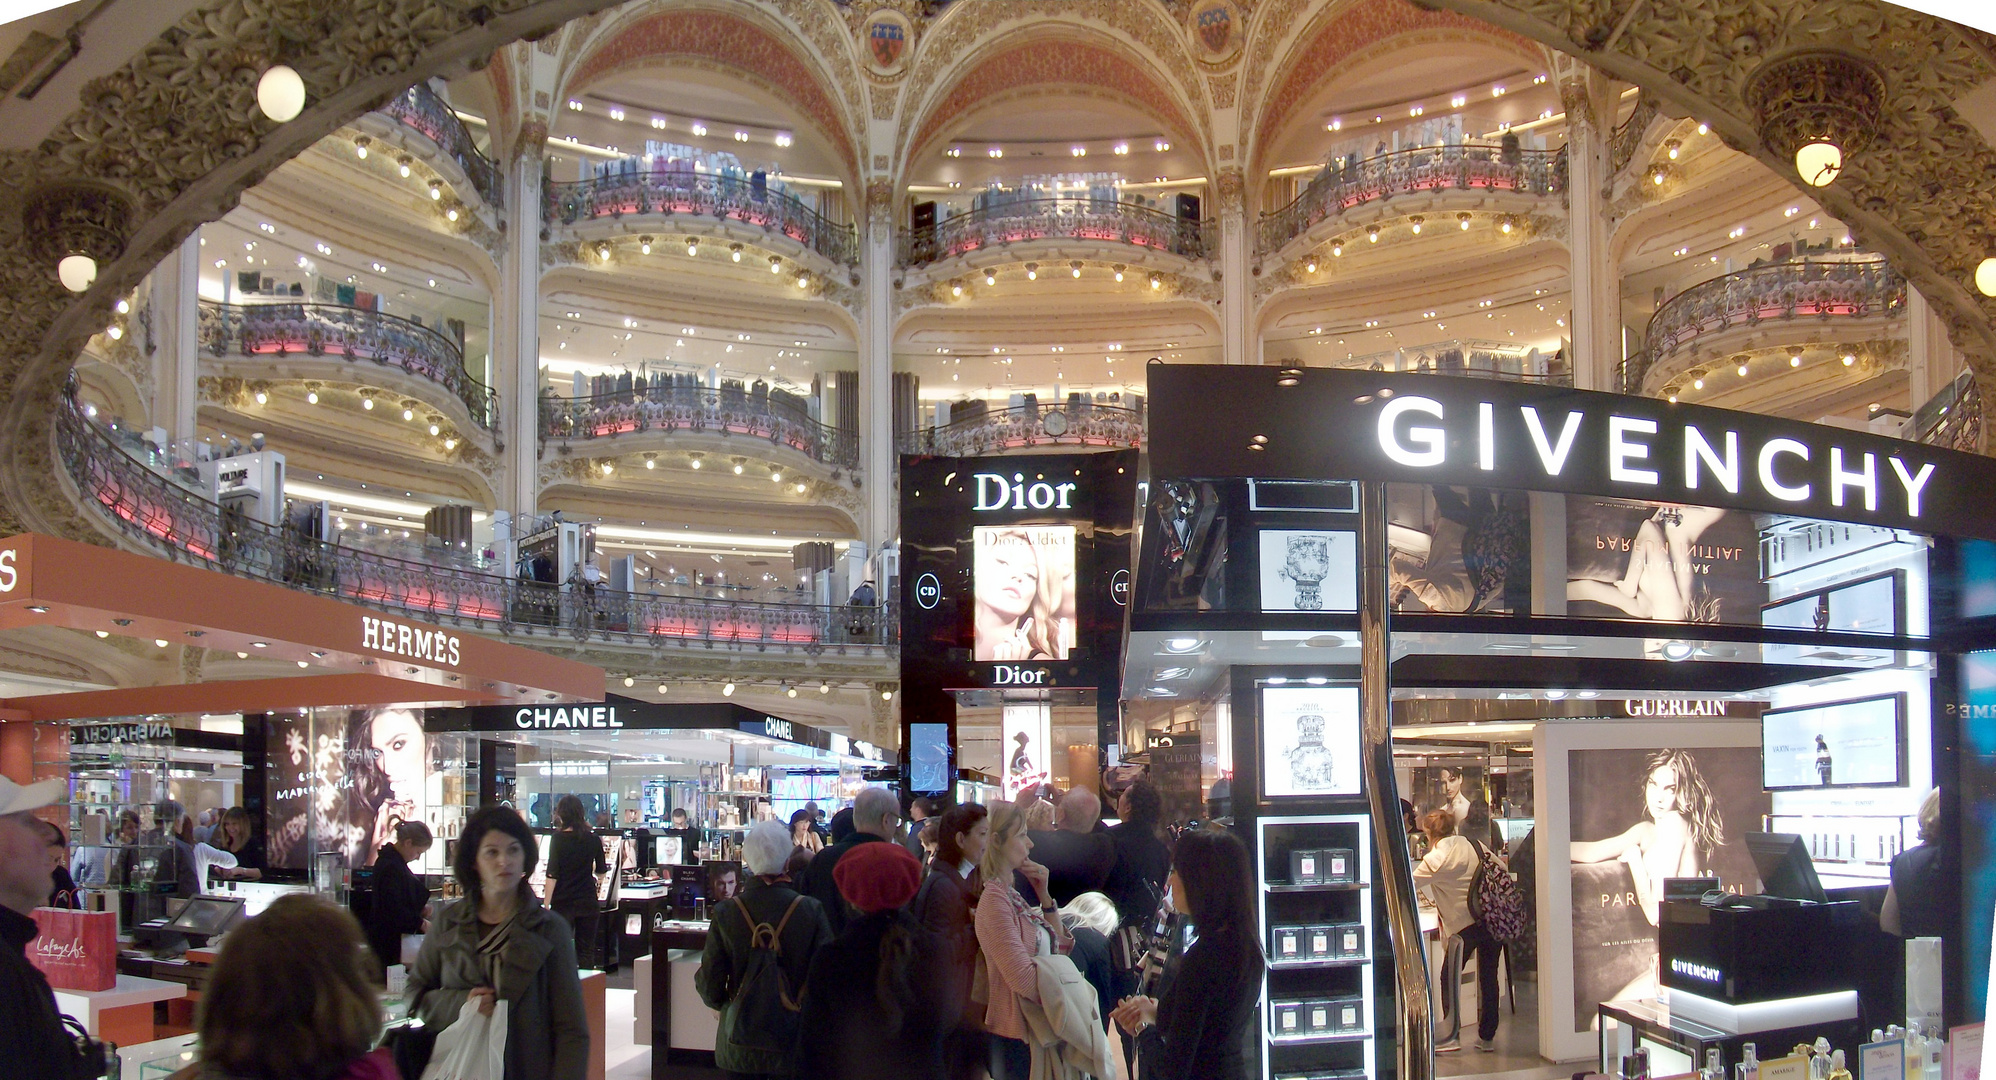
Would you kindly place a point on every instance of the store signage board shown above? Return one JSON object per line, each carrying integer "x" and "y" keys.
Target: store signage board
{"x": 626, "y": 714}
{"x": 1884, "y": 1060}
{"x": 1788, "y": 1068}
{"x": 1233, "y": 421}
{"x": 132, "y": 731}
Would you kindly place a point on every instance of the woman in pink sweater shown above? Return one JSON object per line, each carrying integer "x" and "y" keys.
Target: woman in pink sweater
{"x": 1011, "y": 931}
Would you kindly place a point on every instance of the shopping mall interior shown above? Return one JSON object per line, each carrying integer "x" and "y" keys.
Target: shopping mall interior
{"x": 422, "y": 405}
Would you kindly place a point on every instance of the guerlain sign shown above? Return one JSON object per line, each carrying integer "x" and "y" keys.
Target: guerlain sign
{"x": 1321, "y": 423}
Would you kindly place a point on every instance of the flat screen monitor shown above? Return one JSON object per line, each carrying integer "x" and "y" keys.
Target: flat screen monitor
{"x": 929, "y": 757}
{"x": 1785, "y": 866}
{"x": 206, "y": 916}
{"x": 671, "y": 850}
{"x": 1860, "y": 742}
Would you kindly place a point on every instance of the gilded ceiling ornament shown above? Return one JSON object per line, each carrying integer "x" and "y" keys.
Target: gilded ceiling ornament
{"x": 1816, "y": 96}
{"x": 1215, "y": 29}
{"x": 886, "y": 39}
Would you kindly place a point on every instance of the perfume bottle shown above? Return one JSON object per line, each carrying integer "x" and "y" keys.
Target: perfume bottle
{"x": 1819, "y": 1061}
{"x": 1749, "y": 1066}
{"x": 1715, "y": 1066}
{"x": 1310, "y": 761}
{"x": 1837, "y": 1070}
{"x": 1916, "y": 1050}
{"x": 1936, "y": 1055}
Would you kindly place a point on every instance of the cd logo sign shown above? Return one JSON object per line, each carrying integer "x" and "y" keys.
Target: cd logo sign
{"x": 1119, "y": 588}
{"x": 928, "y": 592}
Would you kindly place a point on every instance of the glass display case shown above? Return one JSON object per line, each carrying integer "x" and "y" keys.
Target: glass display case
{"x": 1315, "y": 896}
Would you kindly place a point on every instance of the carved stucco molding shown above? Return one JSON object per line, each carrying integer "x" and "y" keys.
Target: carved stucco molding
{"x": 175, "y": 132}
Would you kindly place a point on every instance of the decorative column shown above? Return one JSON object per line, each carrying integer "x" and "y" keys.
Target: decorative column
{"x": 516, "y": 343}
{"x": 176, "y": 359}
{"x": 1931, "y": 361}
{"x": 1596, "y": 331}
{"x": 1237, "y": 341}
{"x": 876, "y": 367}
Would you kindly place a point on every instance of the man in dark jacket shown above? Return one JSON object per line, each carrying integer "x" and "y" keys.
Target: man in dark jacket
{"x": 32, "y": 1039}
{"x": 768, "y": 899}
{"x": 1077, "y": 859}
{"x": 1142, "y": 860}
{"x": 399, "y": 895}
{"x": 875, "y": 813}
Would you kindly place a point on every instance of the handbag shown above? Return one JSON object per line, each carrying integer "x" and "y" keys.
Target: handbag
{"x": 412, "y": 1046}
{"x": 473, "y": 1047}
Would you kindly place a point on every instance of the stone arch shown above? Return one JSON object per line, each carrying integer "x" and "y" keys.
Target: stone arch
{"x": 731, "y": 41}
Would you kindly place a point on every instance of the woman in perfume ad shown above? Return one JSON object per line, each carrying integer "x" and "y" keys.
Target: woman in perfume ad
{"x": 1681, "y": 830}
{"x": 1660, "y": 580}
{"x": 1023, "y": 587}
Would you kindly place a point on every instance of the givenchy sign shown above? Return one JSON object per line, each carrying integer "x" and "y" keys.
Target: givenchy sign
{"x": 1216, "y": 421}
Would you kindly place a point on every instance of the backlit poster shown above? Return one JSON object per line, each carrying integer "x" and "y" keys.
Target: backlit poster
{"x": 1662, "y": 561}
{"x": 1309, "y": 570}
{"x": 1028, "y": 730}
{"x": 1458, "y": 549}
{"x": 342, "y": 780}
{"x": 1978, "y": 824}
{"x": 1638, "y": 817}
{"x": 1022, "y": 582}
{"x": 1835, "y": 744}
{"x": 1310, "y": 743}
{"x": 1459, "y": 789}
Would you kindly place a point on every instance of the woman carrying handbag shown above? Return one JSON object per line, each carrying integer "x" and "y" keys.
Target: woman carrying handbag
{"x": 499, "y": 944}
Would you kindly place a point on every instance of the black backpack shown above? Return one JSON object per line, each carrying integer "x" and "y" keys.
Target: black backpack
{"x": 761, "y": 1014}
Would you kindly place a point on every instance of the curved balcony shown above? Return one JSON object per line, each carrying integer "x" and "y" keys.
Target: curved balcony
{"x": 183, "y": 526}
{"x": 1072, "y": 218}
{"x": 1823, "y": 290}
{"x": 1538, "y": 173}
{"x": 1951, "y": 418}
{"x": 727, "y": 198}
{"x": 1466, "y": 359}
{"x": 1030, "y": 427}
{"x": 421, "y": 109}
{"x": 698, "y": 409}
{"x": 283, "y": 329}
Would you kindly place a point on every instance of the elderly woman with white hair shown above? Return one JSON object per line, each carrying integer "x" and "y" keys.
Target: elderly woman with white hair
{"x": 769, "y": 915}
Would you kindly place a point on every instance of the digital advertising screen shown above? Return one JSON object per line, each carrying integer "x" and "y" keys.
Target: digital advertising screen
{"x": 1027, "y": 730}
{"x": 1860, "y": 743}
{"x": 1310, "y": 741}
{"x": 929, "y": 758}
{"x": 1022, "y": 584}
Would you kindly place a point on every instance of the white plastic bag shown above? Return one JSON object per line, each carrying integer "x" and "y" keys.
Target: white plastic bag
{"x": 472, "y": 1048}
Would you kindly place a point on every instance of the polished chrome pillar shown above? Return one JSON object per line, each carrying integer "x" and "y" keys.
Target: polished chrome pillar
{"x": 1395, "y": 871}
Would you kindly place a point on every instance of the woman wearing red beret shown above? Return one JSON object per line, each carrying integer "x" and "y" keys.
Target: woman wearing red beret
{"x": 879, "y": 997}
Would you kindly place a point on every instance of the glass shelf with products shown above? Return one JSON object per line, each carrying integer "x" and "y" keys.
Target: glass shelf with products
{"x": 1315, "y": 897}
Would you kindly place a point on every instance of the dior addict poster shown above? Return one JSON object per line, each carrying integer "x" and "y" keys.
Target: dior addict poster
{"x": 1310, "y": 742}
{"x": 1314, "y": 570}
{"x": 1663, "y": 561}
{"x": 1022, "y": 580}
{"x": 1639, "y": 816}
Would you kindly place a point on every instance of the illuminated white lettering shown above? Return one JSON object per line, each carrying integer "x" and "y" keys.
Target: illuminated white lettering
{"x": 10, "y": 575}
{"x": 1431, "y": 437}
{"x": 1486, "y": 436}
{"x": 1773, "y": 449}
{"x": 1013, "y": 675}
{"x": 1621, "y": 451}
{"x": 1552, "y": 457}
{"x": 1725, "y": 470}
{"x": 994, "y": 492}
{"x": 1913, "y": 483}
{"x": 370, "y": 633}
{"x": 1841, "y": 478}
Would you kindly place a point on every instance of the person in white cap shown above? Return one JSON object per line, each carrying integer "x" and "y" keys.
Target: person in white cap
{"x": 32, "y": 1038}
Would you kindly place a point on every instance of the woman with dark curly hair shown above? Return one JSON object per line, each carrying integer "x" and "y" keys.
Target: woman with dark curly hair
{"x": 575, "y": 859}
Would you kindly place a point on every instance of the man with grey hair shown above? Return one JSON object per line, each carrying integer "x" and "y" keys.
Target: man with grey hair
{"x": 1078, "y": 859}
{"x": 875, "y": 813}
{"x": 767, "y": 900}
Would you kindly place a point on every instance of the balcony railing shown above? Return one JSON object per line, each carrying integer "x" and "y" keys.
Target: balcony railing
{"x": 1411, "y": 172}
{"x": 1467, "y": 359}
{"x": 1078, "y": 217}
{"x": 1821, "y": 289}
{"x": 420, "y": 108}
{"x": 728, "y": 198}
{"x": 1951, "y": 418}
{"x": 185, "y": 527}
{"x": 1086, "y": 424}
{"x": 698, "y": 409}
{"x": 282, "y": 329}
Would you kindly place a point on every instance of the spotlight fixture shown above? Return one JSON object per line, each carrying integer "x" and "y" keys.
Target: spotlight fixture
{"x": 262, "y": 398}
{"x": 663, "y": 688}
{"x": 1032, "y": 271}
{"x": 1985, "y": 276}
{"x": 280, "y": 93}
{"x": 1849, "y": 358}
{"x": 644, "y": 245}
{"x": 1310, "y": 266}
{"x": 402, "y": 165}
{"x": 956, "y": 288}
{"x": 1119, "y": 272}
{"x": 436, "y": 190}
{"x": 1415, "y": 221}
{"x": 1814, "y": 107}
{"x": 1462, "y": 219}
{"x": 1337, "y": 249}
{"x": 728, "y": 690}
{"x": 1156, "y": 280}
{"x": 1372, "y": 234}
{"x": 1671, "y": 147}
{"x": 735, "y": 252}
{"x": 1076, "y": 267}
{"x": 360, "y": 147}
{"x": 824, "y": 688}
{"x": 628, "y": 681}
{"x": 790, "y": 691}
{"x": 990, "y": 277}
{"x": 692, "y": 245}
{"x": 1504, "y": 226}
{"x": 887, "y": 695}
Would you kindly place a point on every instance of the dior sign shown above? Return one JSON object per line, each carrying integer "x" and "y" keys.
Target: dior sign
{"x": 994, "y": 492}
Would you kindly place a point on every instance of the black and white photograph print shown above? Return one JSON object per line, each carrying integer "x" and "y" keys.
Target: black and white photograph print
{"x": 1309, "y": 570}
{"x": 1638, "y": 817}
{"x": 1662, "y": 561}
{"x": 1458, "y": 549}
{"x": 1310, "y": 741}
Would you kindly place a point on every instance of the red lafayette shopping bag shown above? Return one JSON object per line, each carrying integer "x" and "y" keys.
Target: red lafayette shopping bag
{"x": 76, "y": 950}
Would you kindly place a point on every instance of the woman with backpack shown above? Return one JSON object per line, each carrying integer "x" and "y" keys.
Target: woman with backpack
{"x": 1447, "y": 873}
{"x": 759, "y": 949}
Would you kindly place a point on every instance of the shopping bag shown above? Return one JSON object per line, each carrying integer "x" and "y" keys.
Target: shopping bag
{"x": 472, "y": 1048}
{"x": 76, "y": 950}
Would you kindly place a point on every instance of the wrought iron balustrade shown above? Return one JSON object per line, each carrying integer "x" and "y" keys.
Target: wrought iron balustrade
{"x": 697, "y": 409}
{"x": 313, "y": 329}
{"x": 1951, "y": 418}
{"x": 420, "y": 108}
{"x": 1077, "y": 217}
{"x": 1820, "y": 289}
{"x": 185, "y": 527}
{"x": 1082, "y": 424}
{"x": 728, "y": 198}
{"x": 1465, "y": 359}
{"x": 1409, "y": 172}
